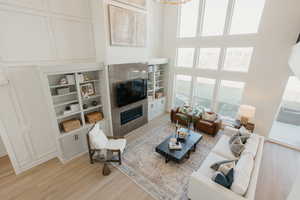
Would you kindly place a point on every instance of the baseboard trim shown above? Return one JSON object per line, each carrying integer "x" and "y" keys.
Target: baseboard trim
{"x": 282, "y": 144}
{"x": 3, "y": 155}
{"x": 46, "y": 158}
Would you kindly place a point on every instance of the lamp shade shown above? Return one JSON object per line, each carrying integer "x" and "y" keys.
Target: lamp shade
{"x": 246, "y": 111}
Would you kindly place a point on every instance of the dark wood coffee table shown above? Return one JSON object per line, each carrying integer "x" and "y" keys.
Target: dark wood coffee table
{"x": 188, "y": 145}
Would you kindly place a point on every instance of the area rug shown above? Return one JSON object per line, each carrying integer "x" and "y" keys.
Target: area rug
{"x": 163, "y": 181}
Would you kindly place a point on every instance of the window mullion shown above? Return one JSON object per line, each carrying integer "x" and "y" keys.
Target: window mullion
{"x": 229, "y": 16}
{"x": 222, "y": 59}
{"x": 200, "y": 17}
{"x": 215, "y": 95}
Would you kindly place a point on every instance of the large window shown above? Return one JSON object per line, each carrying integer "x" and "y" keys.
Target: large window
{"x": 209, "y": 58}
{"x": 214, "y": 17}
{"x": 246, "y": 16}
{"x": 182, "y": 90}
{"x": 185, "y": 57}
{"x": 204, "y": 92}
{"x": 189, "y": 19}
{"x": 229, "y": 97}
{"x": 238, "y": 59}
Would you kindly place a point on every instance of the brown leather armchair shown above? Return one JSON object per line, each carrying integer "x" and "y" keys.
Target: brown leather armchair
{"x": 175, "y": 117}
{"x": 209, "y": 127}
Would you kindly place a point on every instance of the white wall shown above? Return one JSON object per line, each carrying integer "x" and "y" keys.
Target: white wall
{"x": 269, "y": 69}
{"x": 2, "y": 149}
{"x": 37, "y": 32}
{"x": 117, "y": 55}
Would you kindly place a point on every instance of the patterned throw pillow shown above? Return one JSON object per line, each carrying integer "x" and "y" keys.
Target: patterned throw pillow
{"x": 217, "y": 165}
{"x": 237, "y": 147}
{"x": 209, "y": 116}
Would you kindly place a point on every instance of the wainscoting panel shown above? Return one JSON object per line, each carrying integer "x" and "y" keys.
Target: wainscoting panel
{"x": 79, "y": 8}
{"x": 24, "y": 37}
{"x": 36, "y": 4}
{"x": 73, "y": 39}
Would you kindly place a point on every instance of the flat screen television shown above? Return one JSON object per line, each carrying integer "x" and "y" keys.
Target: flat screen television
{"x": 131, "y": 91}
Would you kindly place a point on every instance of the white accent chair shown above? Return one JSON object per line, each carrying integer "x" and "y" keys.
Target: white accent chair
{"x": 98, "y": 141}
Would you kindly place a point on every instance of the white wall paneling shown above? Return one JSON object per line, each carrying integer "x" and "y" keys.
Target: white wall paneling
{"x": 3, "y": 151}
{"x": 78, "y": 8}
{"x": 73, "y": 39}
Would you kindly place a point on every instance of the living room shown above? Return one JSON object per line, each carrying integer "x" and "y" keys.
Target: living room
{"x": 147, "y": 99}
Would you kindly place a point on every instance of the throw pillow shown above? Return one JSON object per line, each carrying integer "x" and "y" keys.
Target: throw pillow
{"x": 233, "y": 138}
{"x": 237, "y": 147}
{"x": 244, "y": 132}
{"x": 209, "y": 116}
{"x": 225, "y": 168}
{"x": 217, "y": 165}
{"x": 225, "y": 180}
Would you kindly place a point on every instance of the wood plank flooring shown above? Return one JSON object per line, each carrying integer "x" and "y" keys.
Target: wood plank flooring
{"x": 80, "y": 180}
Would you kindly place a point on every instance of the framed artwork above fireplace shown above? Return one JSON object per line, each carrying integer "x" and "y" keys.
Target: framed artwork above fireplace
{"x": 127, "y": 27}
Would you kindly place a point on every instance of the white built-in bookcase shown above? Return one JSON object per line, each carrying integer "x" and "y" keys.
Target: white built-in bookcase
{"x": 73, "y": 143}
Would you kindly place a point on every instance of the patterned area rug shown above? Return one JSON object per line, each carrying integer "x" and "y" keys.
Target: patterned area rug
{"x": 148, "y": 168}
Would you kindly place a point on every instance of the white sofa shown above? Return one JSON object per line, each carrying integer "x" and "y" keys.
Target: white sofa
{"x": 201, "y": 185}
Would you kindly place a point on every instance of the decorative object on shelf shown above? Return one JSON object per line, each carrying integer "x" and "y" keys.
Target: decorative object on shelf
{"x": 62, "y": 91}
{"x": 80, "y": 78}
{"x": 63, "y": 81}
{"x": 75, "y": 107}
{"x": 70, "y": 79}
{"x": 173, "y": 2}
{"x": 70, "y": 125}
{"x": 127, "y": 27}
{"x": 159, "y": 95}
{"x": 87, "y": 90}
{"x": 94, "y": 117}
{"x": 86, "y": 77}
{"x": 67, "y": 110}
{"x": 246, "y": 113}
{"x": 85, "y": 106}
{"x": 94, "y": 103}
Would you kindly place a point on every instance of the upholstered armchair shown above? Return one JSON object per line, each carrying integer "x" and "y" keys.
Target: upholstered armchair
{"x": 207, "y": 126}
{"x": 98, "y": 141}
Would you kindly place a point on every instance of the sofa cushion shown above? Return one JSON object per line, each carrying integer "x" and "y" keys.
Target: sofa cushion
{"x": 222, "y": 148}
{"x": 205, "y": 169}
{"x": 242, "y": 174}
{"x": 251, "y": 145}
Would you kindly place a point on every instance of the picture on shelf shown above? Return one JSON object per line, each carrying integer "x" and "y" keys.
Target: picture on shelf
{"x": 87, "y": 90}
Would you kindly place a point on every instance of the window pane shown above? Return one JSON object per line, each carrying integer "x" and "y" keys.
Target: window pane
{"x": 214, "y": 17}
{"x": 230, "y": 96}
{"x": 189, "y": 19}
{"x": 185, "y": 57}
{"x": 182, "y": 90}
{"x": 238, "y": 59}
{"x": 204, "y": 91}
{"x": 246, "y": 16}
{"x": 209, "y": 58}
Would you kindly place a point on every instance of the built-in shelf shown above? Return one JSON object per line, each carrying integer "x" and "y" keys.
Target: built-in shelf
{"x": 65, "y": 103}
{"x": 68, "y": 115}
{"x": 90, "y": 81}
{"x": 91, "y": 97}
{"x": 92, "y": 108}
{"x": 63, "y": 95}
{"x": 60, "y": 86}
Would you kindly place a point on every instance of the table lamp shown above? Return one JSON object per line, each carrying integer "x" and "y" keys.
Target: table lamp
{"x": 246, "y": 113}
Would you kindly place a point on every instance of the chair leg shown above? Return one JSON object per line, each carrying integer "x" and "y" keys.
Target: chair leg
{"x": 91, "y": 157}
{"x": 120, "y": 158}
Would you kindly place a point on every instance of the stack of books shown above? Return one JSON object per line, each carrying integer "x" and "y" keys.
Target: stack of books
{"x": 175, "y": 146}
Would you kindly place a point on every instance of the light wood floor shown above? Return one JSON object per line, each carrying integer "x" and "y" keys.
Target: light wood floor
{"x": 80, "y": 180}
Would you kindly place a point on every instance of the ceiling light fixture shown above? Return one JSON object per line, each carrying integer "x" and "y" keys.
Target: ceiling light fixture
{"x": 172, "y": 2}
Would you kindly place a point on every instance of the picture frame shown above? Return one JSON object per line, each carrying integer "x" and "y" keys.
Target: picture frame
{"x": 127, "y": 27}
{"x": 87, "y": 90}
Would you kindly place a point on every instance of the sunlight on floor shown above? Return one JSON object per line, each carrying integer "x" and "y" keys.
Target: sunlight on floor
{"x": 286, "y": 133}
